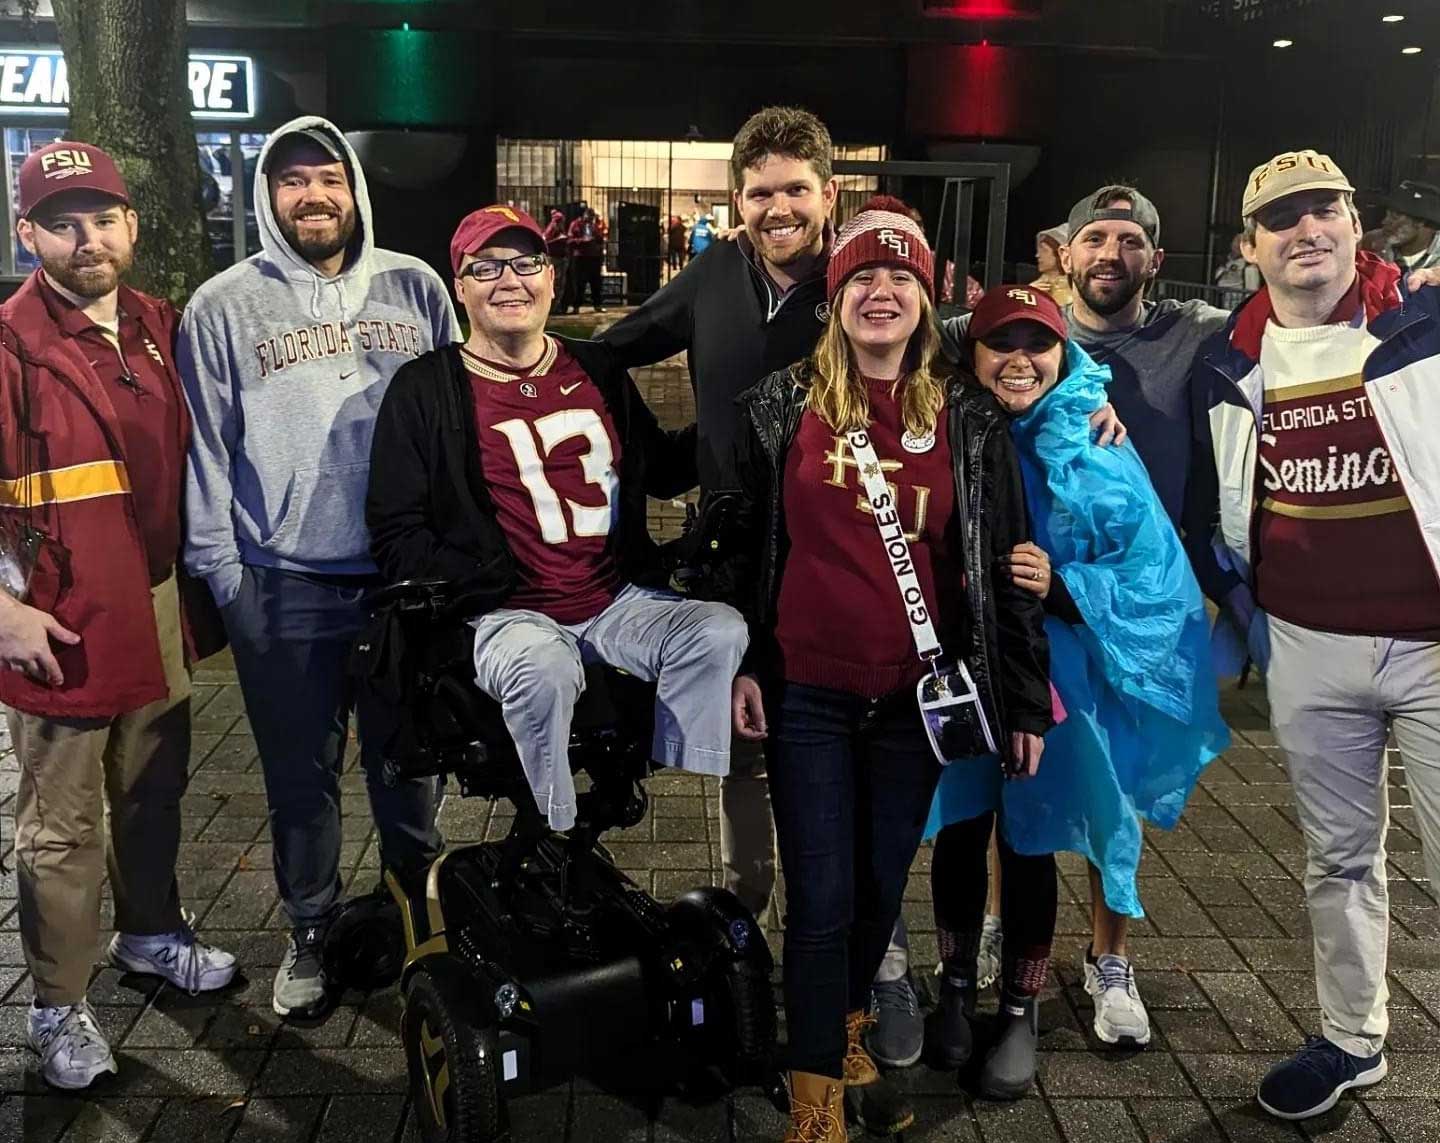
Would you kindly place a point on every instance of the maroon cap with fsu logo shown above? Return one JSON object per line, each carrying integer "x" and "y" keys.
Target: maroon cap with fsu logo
{"x": 479, "y": 226}
{"x": 1005, "y": 304}
{"x": 67, "y": 166}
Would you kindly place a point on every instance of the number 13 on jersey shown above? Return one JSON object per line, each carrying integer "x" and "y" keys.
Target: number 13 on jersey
{"x": 597, "y": 467}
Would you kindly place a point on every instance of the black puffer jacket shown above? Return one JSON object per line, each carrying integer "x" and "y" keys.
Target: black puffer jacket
{"x": 1006, "y": 650}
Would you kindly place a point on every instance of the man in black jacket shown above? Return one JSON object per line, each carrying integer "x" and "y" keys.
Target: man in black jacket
{"x": 517, "y": 465}
{"x": 742, "y": 310}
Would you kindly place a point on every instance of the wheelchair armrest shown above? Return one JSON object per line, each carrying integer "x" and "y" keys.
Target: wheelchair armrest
{"x": 409, "y": 592}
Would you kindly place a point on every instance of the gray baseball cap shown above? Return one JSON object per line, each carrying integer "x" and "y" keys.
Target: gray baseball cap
{"x": 316, "y": 135}
{"x": 1096, "y": 208}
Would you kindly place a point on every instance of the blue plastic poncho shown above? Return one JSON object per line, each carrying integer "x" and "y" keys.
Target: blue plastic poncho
{"x": 1143, "y": 715}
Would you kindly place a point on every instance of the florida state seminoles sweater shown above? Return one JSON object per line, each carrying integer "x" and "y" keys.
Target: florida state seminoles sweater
{"x": 1339, "y": 546}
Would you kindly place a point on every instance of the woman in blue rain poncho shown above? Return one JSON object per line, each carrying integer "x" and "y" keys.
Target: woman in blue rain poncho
{"x": 1129, "y": 662}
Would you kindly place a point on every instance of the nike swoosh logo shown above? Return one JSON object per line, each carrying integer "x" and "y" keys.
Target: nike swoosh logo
{"x": 347, "y": 376}
{"x": 564, "y": 392}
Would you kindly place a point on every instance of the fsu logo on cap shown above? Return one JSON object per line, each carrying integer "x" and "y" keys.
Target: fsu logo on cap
{"x": 65, "y": 163}
{"x": 897, "y": 242}
{"x": 1026, "y": 296}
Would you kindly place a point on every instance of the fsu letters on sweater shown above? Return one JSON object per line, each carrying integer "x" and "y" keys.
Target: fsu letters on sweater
{"x": 551, "y": 459}
{"x": 841, "y": 624}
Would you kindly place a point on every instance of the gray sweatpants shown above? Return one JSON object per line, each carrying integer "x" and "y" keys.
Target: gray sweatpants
{"x": 1333, "y": 698}
{"x": 533, "y": 666}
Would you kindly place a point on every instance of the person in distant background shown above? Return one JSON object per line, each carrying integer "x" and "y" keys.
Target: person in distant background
{"x": 587, "y": 251}
{"x": 1052, "y": 279}
{"x": 1237, "y": 275}
{"x": 557, "y": 246}
{"x": 675, "y": 243}
{"x": 1412, "y": 227}
{"x": 701, "y": 235}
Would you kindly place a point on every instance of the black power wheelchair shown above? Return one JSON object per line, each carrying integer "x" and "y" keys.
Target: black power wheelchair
{"x": 528, "y": 960}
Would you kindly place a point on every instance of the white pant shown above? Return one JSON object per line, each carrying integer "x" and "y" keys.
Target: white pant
{"x": 533, "y": 666}
{"x": 1333, "y": 698}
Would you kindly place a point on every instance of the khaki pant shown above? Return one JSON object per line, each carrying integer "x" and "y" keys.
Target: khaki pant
{"x": 747, "y": 829}
{"x": 130, "y": 770}
{"x": 1333, "y": 699}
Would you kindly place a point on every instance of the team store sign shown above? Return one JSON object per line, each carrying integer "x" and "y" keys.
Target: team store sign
{"x": 36, "y": 82}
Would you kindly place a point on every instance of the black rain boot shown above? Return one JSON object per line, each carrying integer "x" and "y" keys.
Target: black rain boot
{"x": 949, "y": 1032}
{"x": 1009, "y": 1070}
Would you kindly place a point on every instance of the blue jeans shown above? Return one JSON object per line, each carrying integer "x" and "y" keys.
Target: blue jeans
{"x": 851, "y": 780}
{"x": 291, "y": 635}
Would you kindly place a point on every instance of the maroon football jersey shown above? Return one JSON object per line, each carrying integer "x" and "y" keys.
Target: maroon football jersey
{"x": 551, "y": 459}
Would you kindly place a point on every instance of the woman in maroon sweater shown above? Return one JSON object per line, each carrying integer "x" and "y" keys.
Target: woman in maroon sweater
{"x": 830, "y": 681}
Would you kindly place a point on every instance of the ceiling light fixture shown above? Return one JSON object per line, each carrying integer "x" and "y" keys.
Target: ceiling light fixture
{"x": 1393, "y": 18}
{"x": 1282, "y": 43}
{"x": 1410, "y": 51}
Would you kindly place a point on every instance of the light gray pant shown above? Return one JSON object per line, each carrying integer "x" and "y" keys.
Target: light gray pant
{"x": 1333, "y": 698}
{"x": 533, "y": 666}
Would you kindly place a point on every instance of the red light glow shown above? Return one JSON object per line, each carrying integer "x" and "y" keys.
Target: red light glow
{"x": 984, "y": 9}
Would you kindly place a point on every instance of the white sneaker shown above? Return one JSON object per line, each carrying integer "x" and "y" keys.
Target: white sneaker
{"x": 992, "y": 943}
{"x": 1120, "y": 1014}
{"x": 71, "y": 1048}
{"x": 180, "y": 957}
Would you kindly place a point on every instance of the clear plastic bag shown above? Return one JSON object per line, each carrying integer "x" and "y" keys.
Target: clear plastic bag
{"x": 954, "y": 717}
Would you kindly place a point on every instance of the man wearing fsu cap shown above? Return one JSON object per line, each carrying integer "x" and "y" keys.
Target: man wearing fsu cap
{"x": 1313, "y": 519}
{"x": 517, "y": 466}
{"x": 93, "y": 430}
{"x": 285, "y": 358}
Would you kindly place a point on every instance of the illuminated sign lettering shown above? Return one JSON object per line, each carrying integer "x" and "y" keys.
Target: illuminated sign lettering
{"x": 36, "y": 82}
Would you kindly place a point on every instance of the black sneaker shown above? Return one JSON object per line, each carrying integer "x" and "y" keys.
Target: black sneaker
{"x": 898, "y": 1037}
{"x": 1311, "y": 1081}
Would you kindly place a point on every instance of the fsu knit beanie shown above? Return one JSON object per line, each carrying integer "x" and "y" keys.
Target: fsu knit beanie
{"x": 880, "y": 235}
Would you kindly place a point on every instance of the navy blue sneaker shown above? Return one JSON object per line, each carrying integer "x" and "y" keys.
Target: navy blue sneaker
{"x": 1312, "y": 1080}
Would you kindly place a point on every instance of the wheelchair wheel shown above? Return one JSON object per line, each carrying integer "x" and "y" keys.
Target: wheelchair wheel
{"x": 365, "y": 945}
{"x": 745, "y": 1048}
{"x": 454, "y": 1067}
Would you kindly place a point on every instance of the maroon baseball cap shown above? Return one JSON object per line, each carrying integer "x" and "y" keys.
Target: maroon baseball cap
{"x": 67, "y": 166}
{"x": 1005, "y": 304}
{"x": 478, "y": 227}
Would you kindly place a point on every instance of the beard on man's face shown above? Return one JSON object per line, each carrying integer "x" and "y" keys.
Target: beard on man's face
{"x": 89, "y": 277}
{"x": 1108, "y": 295}
{"x": 315, "y": 248}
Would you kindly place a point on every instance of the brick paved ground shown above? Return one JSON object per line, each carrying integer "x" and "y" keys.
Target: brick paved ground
{"x": 1224, "y": 965}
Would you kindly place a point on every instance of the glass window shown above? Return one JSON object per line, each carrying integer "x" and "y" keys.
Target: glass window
{"x": 220, "y": 191}
{"x": 19, "y": 142}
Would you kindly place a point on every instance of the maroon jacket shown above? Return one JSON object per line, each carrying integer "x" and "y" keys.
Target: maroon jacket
{"x": 587, "y": 239}
{"x": 92, "y": 573}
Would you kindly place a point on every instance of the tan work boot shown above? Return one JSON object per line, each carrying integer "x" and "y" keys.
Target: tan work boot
{"x": 871, "y": 1099}
{"x": 817, "y": 1109}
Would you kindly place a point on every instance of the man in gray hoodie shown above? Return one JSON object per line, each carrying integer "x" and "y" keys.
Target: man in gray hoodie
{"x": 285, "y": 358}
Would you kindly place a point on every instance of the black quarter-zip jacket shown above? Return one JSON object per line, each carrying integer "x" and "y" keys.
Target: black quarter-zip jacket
{"x": 736, "y": 328}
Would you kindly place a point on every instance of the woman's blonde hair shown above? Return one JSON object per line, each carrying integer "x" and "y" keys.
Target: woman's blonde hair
{"x": 839, "y": 396}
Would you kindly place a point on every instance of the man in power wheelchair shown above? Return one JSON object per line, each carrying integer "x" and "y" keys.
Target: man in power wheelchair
{"x": 507, "y": 505}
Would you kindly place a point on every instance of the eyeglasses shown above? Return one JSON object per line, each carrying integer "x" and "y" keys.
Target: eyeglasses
{"x": 489, "y": 269}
